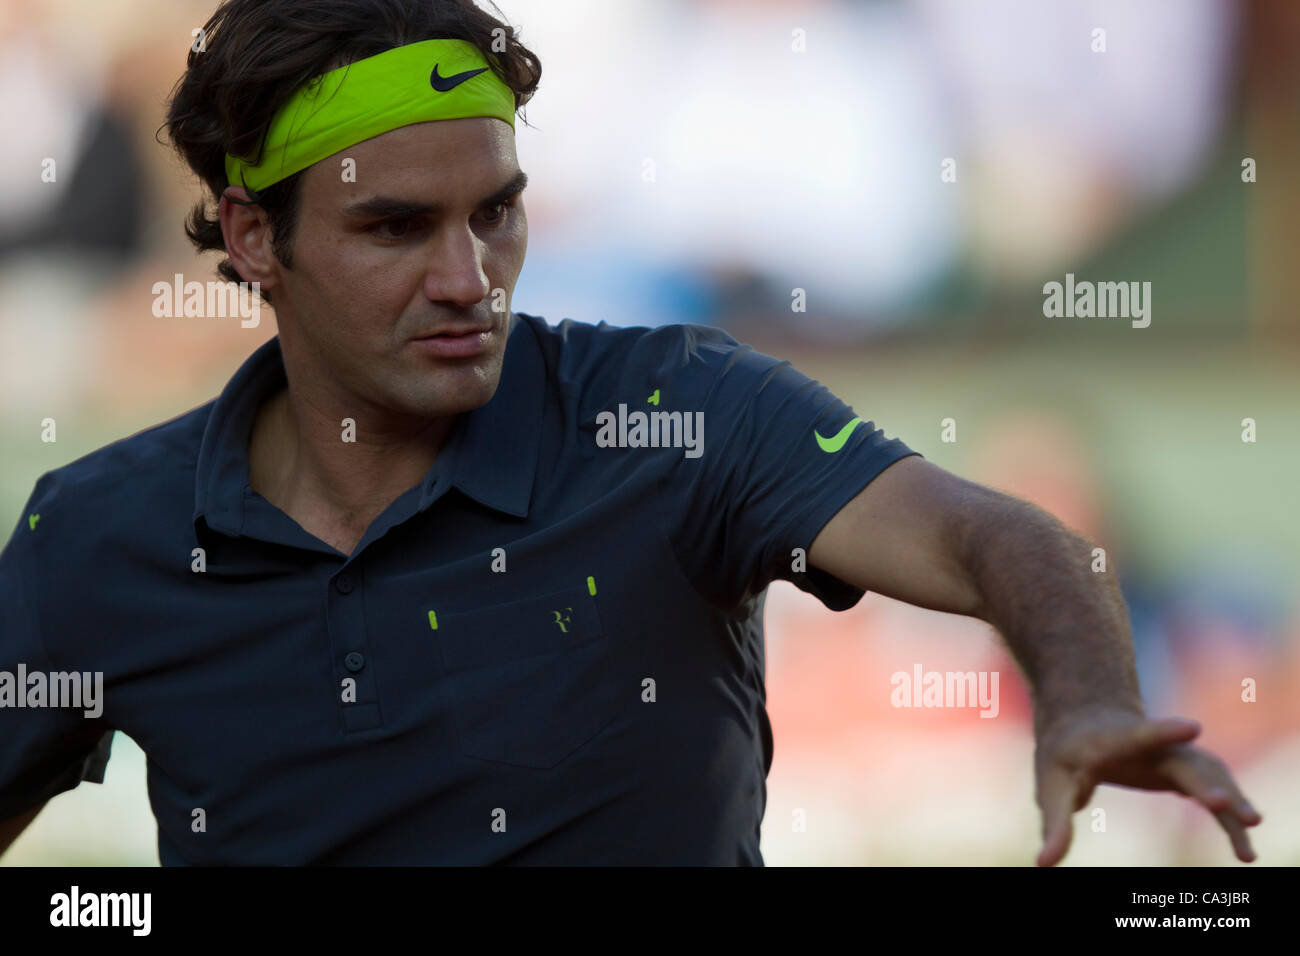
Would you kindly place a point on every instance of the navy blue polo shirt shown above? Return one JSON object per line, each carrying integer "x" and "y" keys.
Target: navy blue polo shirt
{"x": 550, "y": 651}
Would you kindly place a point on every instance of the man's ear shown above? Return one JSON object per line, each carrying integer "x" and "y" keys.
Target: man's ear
{"x": 247, "y": 232}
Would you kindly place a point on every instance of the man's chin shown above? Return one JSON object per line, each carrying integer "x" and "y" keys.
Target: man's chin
{"x": 453, "y": 393}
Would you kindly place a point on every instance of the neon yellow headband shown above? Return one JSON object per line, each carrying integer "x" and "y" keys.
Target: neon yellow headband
{"x": 416, "y": 83}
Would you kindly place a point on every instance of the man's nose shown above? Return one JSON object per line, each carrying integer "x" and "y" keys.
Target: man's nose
{"x": 455, "y": 272}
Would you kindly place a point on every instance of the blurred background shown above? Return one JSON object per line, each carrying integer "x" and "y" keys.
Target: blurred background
{"x": 919, "y": 170}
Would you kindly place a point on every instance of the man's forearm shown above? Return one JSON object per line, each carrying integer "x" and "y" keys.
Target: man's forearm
{"x": 1066, "y": 625}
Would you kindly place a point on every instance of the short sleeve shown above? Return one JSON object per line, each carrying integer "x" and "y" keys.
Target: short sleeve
{"x": 782, "y": 456}
{"x": 44, "y": 750}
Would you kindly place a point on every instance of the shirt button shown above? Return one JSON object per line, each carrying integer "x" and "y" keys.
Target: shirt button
{"x": 354, "y": 662}
{"x": 344, "y": 583}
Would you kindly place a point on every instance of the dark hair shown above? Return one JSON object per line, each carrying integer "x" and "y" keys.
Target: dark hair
{"x": 256, "y": 53}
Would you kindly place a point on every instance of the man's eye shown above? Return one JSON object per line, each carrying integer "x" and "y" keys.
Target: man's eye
{"x": 392, "y": 228}
{"x": 498, "y": 213}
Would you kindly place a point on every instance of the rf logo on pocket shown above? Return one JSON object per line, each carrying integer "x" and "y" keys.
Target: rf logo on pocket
{"x": 562, "y": 618}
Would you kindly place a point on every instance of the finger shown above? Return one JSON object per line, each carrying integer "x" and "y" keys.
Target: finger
{"x": 1056, "y": 797}
{"x": 1206, "y": 779}
{"x": 1150, "y": 735}
{"x": 1237, "y": 834}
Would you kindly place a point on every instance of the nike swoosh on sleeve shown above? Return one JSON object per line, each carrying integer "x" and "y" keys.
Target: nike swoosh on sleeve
{"x": 836, "y": 441}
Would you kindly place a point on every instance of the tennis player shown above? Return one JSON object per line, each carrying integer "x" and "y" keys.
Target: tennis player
{"x": 436, "y": 581}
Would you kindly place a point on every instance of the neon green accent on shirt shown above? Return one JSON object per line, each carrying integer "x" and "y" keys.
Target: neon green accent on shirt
{"x": 836, "y": 442}
{"x": 433, "y": 620}
{"x": 591, "y": 585}
{"x": 32, "y": 519}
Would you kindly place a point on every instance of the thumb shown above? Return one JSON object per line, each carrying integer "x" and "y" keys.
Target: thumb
{"x": 1150, "y": 735}
{"x": 1056, "y": 798}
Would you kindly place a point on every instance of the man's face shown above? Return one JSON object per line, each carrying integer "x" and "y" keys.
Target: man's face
{"x": 427, "y": 240}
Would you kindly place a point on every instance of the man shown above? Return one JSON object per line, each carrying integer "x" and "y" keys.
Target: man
{"x": 433, "y": 581}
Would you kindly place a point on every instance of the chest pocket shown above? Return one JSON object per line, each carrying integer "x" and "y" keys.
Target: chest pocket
{"x": 529, "y": 682}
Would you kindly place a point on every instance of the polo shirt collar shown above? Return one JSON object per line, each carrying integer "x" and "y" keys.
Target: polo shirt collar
{"x": 490, "y": 455}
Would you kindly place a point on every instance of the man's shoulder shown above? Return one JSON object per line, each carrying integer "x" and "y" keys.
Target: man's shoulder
{"x": 583, "y": 354}
{"x": 678, "y": 341}
{"x": 161, "y": 455}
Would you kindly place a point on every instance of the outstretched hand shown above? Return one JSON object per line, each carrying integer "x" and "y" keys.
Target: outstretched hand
{"x": 1124, "y": 748}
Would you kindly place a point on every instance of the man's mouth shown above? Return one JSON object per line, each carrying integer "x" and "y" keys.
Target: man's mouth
{"x": 454, "y": 343}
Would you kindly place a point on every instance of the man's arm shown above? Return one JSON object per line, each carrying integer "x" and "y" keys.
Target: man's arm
{"x": 12, "y": 828}
{"x": 922, "y": 535}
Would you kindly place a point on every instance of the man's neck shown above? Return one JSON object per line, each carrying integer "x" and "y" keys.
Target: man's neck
{"x": 300, "y": 462}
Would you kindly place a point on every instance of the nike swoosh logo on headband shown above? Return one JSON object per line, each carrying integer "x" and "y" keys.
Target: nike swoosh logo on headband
{"x": 444, "y": 83}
